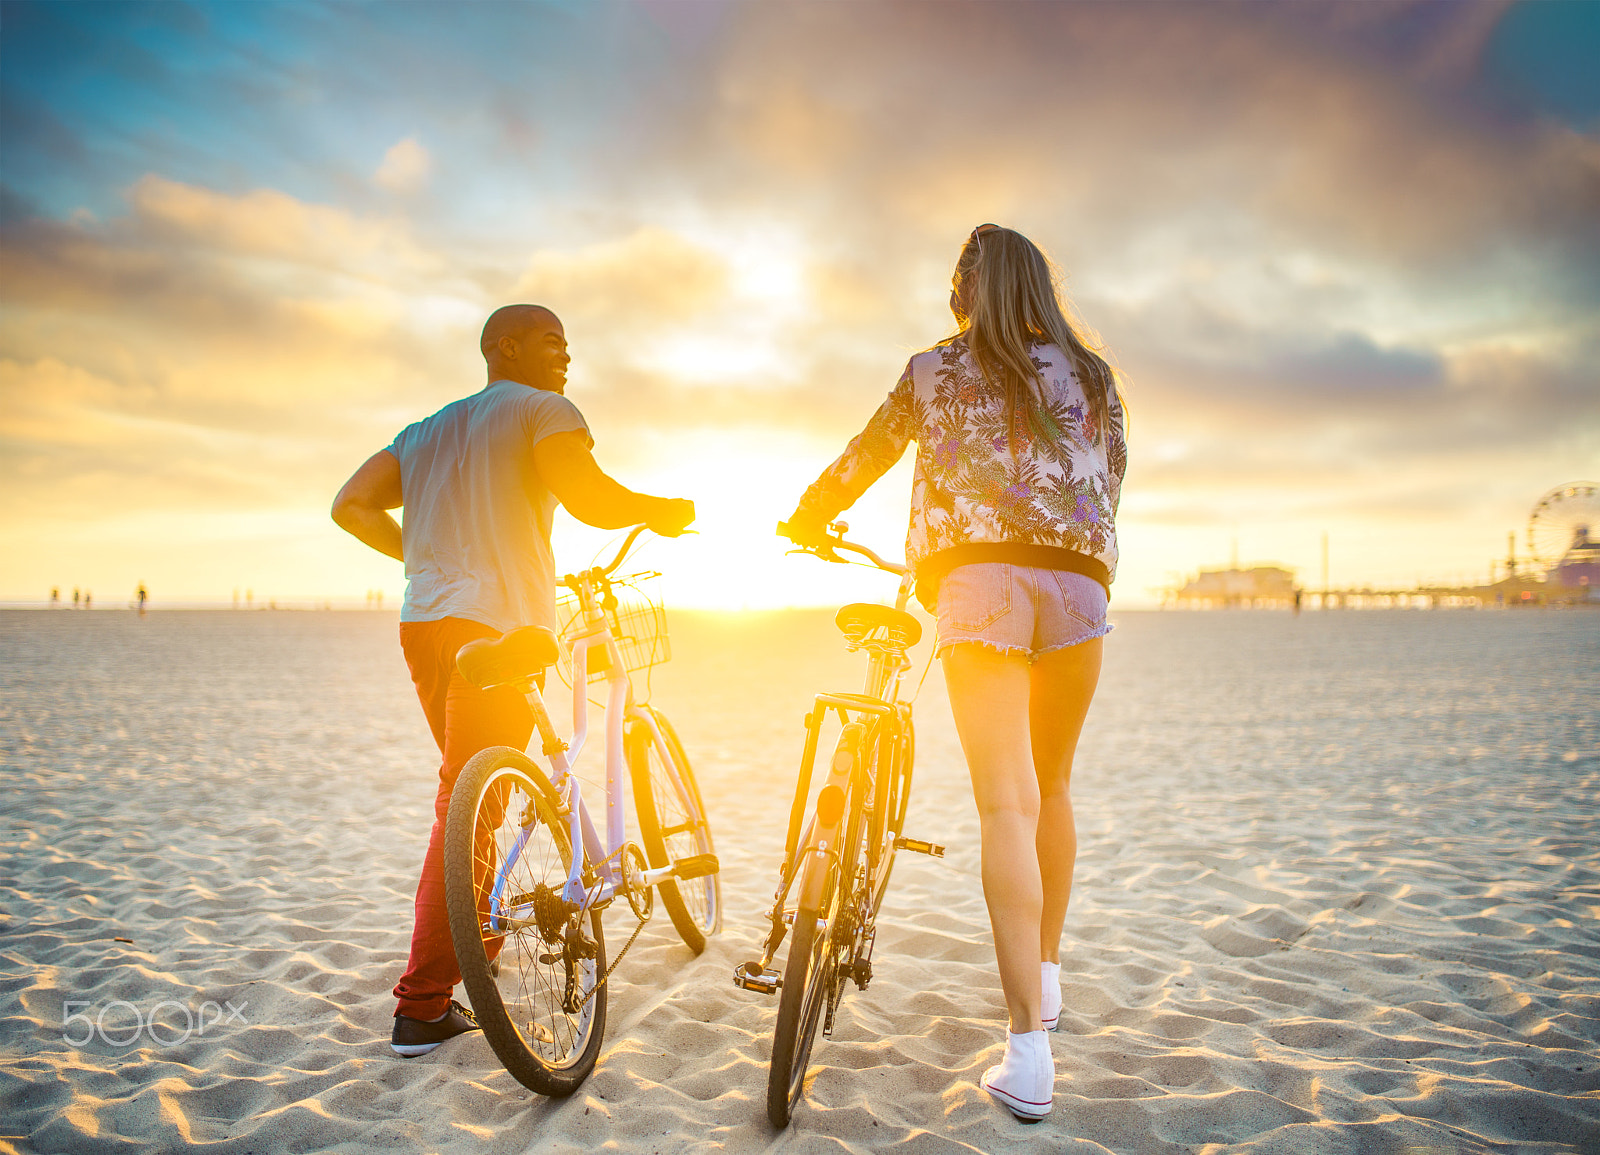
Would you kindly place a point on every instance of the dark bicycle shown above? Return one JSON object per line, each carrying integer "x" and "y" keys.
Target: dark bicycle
{"x": 836, "y": 864}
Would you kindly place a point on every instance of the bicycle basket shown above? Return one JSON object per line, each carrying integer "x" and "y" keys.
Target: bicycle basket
{"x": 637, "y": 619}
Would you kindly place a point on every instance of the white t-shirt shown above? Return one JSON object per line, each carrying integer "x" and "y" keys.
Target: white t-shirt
{"x": 476, "y": 520}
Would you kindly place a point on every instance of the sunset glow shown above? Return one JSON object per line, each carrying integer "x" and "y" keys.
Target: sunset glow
{"x": 1343, "y": 257}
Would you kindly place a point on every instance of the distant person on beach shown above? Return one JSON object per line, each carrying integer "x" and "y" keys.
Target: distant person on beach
{"x": 77, "y": 598}
{"x": 479, "y": 481}
{"x": 1020, "y": 457}
{"x": 55, "y": 597}
{"x": 143, "y": 595}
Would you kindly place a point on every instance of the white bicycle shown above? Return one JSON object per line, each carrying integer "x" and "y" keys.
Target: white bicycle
{"x": 528, "y": 877}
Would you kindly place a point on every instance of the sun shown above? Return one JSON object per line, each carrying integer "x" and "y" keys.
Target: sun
{"x": 743, "y": 483}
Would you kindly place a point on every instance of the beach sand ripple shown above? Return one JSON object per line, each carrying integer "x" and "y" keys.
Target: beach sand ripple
{"x": 1338, "y": 891}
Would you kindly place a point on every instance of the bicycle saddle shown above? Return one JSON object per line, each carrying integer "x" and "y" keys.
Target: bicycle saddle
{"x": 858, "y": 619}
{"x": 515, "y": 656}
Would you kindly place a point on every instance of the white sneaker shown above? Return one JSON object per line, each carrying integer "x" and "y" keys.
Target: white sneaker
{"x": 1025, "y": 1080}
{"x": 1050, "y": 1003}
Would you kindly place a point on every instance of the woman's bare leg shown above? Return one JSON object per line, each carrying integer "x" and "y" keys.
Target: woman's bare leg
{"x": 989, "y": 694}
{"x": 1061, "y": 686}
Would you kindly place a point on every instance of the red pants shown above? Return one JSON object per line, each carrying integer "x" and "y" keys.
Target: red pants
{"x": 464, "y": 720}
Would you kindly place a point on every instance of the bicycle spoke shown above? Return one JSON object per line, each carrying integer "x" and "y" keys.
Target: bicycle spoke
{"x": 673, "y": 827}
{"x": 518, "y": 865}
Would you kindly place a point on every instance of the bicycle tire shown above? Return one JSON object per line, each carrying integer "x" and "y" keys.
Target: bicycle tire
{"x": 908, "y": 760}
{"x": 807, "y": 982}
{"x": 519, "y": 1003}
{"x": 673, "y": 825}
{"x": 896, "y": 799}
{"x": 882, "y": 754}
{"x": 811, "y": 977}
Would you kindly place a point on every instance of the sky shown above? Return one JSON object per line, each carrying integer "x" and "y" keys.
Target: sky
{"x": 1345, "y": 257}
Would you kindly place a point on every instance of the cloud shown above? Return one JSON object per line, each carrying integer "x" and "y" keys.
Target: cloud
{"x": 269, "y": 223}
{"x": 1334, "y": 269}
{"x": 406, "y": 167}
{"x": 209, "y": 352}
{"x": 82, "y": 448}
{"x": 651, "y": 275}
{"x": 191, "y": 267}
{"x": 1335, "y": 265}
{"x": 1091, "y": 123}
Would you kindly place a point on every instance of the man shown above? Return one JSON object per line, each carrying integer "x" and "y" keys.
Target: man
{"x": 479, "y": 481}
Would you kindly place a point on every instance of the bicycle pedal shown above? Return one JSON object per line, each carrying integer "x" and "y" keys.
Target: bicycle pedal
{"x": 749, "y": 976}
{"x": 695, "y": 866}
{"x": 918, "y": 846}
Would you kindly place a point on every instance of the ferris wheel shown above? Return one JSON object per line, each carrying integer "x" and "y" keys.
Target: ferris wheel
{"x": 1565, "y": 519}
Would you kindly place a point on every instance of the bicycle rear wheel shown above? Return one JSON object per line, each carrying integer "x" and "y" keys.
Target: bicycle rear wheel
{"x": 895, "y": 751}
{"x": 900, "y": 792}
{"x": 673, "y": 826}
{"x": 531, "y": 968}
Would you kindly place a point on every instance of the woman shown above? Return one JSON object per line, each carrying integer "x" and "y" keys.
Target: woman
{"x": 1020, "y": 458}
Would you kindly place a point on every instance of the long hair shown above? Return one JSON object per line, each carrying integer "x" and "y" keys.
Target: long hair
{"x": 1013, "y": 302}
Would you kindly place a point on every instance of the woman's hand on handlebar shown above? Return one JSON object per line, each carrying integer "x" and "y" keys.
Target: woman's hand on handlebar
{"x": 818, "y": 537}
{"x": 806, "y": 530}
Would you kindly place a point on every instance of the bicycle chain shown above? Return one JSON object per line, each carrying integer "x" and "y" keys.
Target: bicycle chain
{"x": 615, "y": 962}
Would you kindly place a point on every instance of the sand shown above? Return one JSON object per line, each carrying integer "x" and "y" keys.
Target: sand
{"x": 1337, "y": 892}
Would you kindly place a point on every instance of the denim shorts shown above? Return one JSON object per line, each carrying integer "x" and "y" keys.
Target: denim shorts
{"x": 1020, "y": 609}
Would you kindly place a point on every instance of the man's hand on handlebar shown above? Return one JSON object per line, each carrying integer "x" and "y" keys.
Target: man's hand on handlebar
{"x": 671, "y": 517}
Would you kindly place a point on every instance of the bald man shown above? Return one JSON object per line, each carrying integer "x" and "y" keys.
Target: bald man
{"x": 479, "y": 481}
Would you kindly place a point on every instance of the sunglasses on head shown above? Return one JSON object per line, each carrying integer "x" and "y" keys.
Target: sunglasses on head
{"x": 976, "y": 238}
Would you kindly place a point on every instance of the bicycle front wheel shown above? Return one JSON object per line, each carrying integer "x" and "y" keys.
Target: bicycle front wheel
{"x": 808, "y": 980}
{"x": 673, "y": 826}
{"x": 530, "y": 965}
{"x": 813, "y": 977}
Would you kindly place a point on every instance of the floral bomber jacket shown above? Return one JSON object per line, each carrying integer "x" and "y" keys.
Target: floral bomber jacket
{"x": 1058, "y": 489}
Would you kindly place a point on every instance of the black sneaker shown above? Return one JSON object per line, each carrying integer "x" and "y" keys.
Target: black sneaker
{"x": 413, "y": 1037}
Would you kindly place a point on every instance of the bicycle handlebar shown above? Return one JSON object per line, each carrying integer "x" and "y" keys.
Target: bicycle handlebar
{"x": 825, "y": 549}
{"x": 573, "y": 580}
{"x": 623, "y": 552}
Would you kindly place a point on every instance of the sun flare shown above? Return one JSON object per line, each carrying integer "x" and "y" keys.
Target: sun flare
{"x": 734, "y": 560}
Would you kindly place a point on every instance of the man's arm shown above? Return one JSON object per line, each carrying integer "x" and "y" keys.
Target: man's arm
{"x": 363, "y": 505}
{"x": 570, "y": 471}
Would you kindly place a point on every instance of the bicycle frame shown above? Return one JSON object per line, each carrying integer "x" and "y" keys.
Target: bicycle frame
{"x": 880, "y": 697}
{"x": 810, "y": 854}
{"x": 601, "y": 854}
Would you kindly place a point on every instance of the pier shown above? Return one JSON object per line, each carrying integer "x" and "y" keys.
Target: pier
{"x": 1561, "y": 567}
